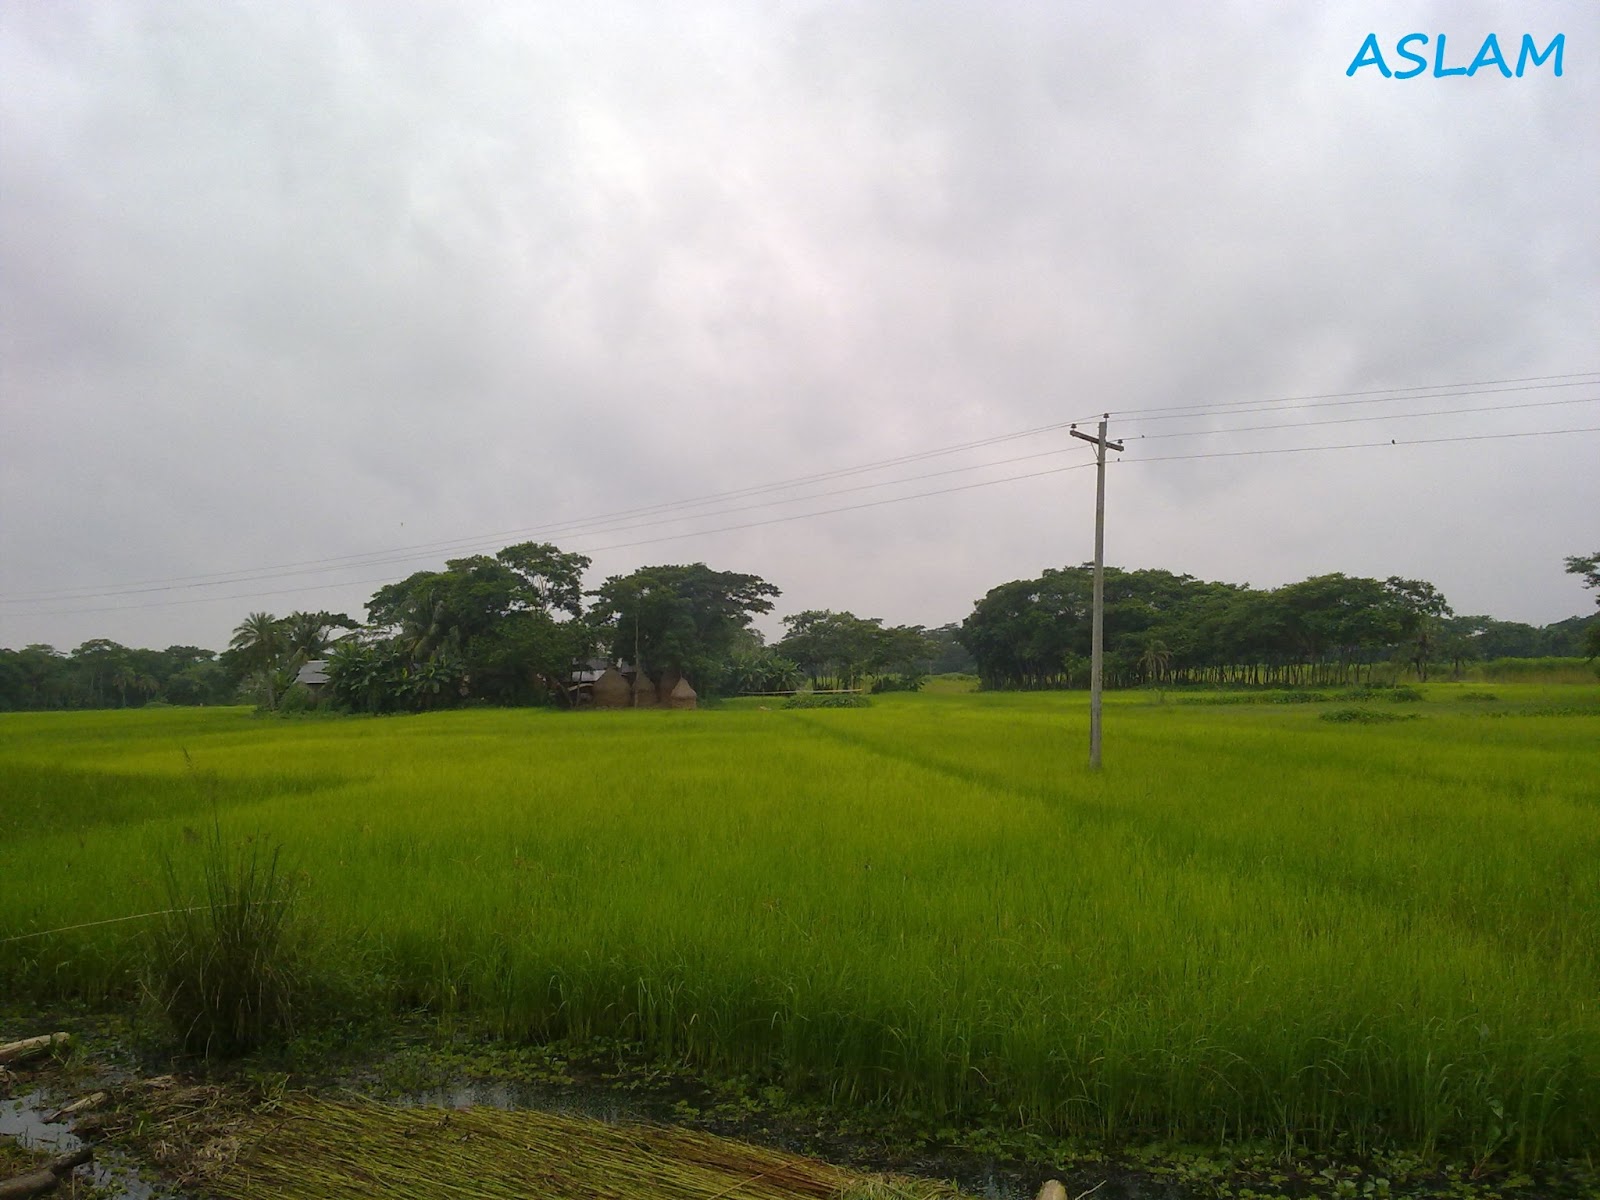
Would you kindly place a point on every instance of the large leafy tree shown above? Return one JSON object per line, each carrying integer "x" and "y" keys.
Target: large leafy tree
{"x": 843, "y": 649}
{"x": 837, "y": 648}
{"x": 1165, "y": 627}
{"x": 505, "y": 627}
{"x": 1588, "y": 567}
{"x": 105, "y": 671}
{"x": 1419, "y": 610}
{"x": 680, "y": 619}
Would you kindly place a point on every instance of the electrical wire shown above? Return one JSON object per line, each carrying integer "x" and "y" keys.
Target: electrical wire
{"x": 1444, "y": 412}
{"x": 603, "y": 523}
{"x": 1439, "y": 391}
{"x": 430, "y": 549}
{"x": 1474, "y": 437}
{"x": 892, "y": 500}
{"x": 577, "y": 530}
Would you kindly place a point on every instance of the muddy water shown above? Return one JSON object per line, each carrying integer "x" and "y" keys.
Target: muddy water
{"x": 23, "y": 1118}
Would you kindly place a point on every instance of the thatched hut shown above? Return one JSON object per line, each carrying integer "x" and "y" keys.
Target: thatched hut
{"x": 644, "y": 692}
{"x": 682, "y": 695}
{"x": 611, "y": 690}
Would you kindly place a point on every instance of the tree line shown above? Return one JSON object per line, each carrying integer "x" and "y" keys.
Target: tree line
{"x": 1162, "y": 628}
{"x": 508, "y": 628}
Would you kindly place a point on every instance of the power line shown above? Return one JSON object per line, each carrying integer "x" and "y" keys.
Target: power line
{"x": 1477, "y": 437}
{"x": 606, "y": 522}
{"x": 1444, "y": 412}
{"x": 426, "y": 549}
{"x": 625, "y": 526}
{"x": 82, "y": 594}
{"x": 1386, "y": 395}
{"x": 886, "y": 501}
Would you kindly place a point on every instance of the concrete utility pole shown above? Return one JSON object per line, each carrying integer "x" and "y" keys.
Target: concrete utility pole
{"x": 1097, "y": 626}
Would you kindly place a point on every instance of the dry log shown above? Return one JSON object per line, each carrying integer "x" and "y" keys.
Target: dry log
{"x": 81, "y": 1105}
{"x": 46, "y": 1178}
{"x": 28, "y": 1048}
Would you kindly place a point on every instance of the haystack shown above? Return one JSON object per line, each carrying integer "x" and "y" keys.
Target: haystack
{"x": 682, "y": 695}
{"x": 611, "y": 690}
{"x": 644, "y": 692}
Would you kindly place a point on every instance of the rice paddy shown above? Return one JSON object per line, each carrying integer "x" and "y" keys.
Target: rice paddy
{"x": 1254, "y": 923}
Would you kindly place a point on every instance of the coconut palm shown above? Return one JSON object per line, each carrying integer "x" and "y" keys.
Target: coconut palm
{"x": 1155, "y": 659}
{"x": 308, "y": 635}
{"x": 259, "y": 639}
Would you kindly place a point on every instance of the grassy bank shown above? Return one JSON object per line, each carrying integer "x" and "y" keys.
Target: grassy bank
{"x": 1533, "y": 670}
{"x": 1254, "y": 923}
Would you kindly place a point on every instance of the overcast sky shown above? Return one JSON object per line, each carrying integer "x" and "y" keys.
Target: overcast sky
{"x": 287, "y": 283}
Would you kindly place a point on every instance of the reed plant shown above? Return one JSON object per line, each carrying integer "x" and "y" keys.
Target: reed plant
{"x": 224, "y": 967}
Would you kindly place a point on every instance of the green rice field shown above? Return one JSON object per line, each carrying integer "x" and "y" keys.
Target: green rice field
{"x": 1261, "y": 920}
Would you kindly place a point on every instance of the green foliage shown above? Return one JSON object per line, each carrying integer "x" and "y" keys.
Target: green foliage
{"x": 1533, "y": 670}
{"x": 224, "y": 967}
{"x": 828, "y": 700}
{"x": 504, "y": 628}
{"x": 1588, "y": 568}
{"x": 684, "y": 620}
{"x": 840, "y": 649}
{"x": 947, "y": 656}
{"x": 1171, "y": 629}
{"x": 1365, "y": 716}
{"x": 297, "y": 701}
{"x": 762, "y": 669}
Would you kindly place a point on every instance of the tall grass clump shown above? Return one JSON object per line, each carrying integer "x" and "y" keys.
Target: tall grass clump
{"x": 225, "y": 968}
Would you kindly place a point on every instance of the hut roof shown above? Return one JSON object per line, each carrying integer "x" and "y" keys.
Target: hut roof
{"x": 313, "y": 672}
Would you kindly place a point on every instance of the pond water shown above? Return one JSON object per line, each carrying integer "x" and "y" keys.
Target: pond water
{"x": 24, "y": 1118}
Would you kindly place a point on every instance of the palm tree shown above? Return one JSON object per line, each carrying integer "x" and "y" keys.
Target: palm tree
{"x": 307, "y": 635}
{"x": 259, "y": 639}
{"x": 1154, "y": 660}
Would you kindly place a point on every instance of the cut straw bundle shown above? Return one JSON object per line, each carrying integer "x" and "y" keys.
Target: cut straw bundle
{"x": 340, "y": 1151}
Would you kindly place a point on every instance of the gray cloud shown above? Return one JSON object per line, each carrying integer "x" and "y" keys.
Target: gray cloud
{"x": 283, "y": 282}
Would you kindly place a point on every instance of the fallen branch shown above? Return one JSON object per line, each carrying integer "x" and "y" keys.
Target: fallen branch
{"x": 29, "y": 1048}
{"x": 46, "y": 1178}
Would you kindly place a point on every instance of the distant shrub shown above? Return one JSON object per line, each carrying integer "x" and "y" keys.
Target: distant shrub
{"x": 1478, "y": 697}
{"x": 828, "y": 700}
{"x": 1364, "y": 716}
{"x": 1395, "y": 693}
{"x": 911, "y": 681}
{"x": 1564, "y": 710}
{"x": 1262, "y": 697}
{"x": 298, "y": 699}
